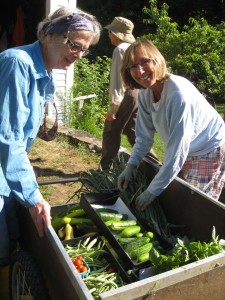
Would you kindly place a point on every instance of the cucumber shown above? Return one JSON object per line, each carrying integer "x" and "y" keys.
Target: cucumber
{"x": 138, "y": 242}
{"x": 110, "y": 216}
{"x": 110, "y": 222}
{"x": 140, "y": 234}
{"x": 143, "y": 257}
{"x": 125, "y": 241}
{"x": 117, "y": 228}
{"x": 135, "y": 253}
{"x": 122, "y": 224}
{"x": 130, "y": 231}
{"x": 150, "y": 235}
{"x": 107, "y": 210}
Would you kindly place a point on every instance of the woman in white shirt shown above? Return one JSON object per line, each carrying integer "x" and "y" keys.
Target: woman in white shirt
{"x": 192, "y": 130}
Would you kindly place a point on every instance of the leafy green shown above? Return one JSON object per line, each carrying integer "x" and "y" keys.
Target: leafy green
{"x": 185, "y": 252}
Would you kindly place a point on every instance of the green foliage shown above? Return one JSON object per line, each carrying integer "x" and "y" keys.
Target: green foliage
{"x": 196, "y": 51}
{"x": 185, "y": 252}
{"x": 90, "y": 77}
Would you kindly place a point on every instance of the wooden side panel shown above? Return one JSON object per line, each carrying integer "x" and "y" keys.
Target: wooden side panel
{"x": 202, "y": 280}
{"x": 207, "y": 286}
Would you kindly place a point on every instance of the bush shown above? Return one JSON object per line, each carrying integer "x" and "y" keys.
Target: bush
{"x": 196, "y": 51}
{"x": 90, "y": 77}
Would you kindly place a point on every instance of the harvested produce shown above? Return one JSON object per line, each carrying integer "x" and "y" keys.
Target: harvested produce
{"x": 130, "y": 231}
{"x": 102, "y": 277}
{"x": 185, "y": 252}
{"x": 69, "y": 232}
{"x": 138, "y": 242}
{"x": 80, "y": 265}
{"x": 106, "y": 216}
{"x": 102, "y": 282}
{"x": 137, "y": 252}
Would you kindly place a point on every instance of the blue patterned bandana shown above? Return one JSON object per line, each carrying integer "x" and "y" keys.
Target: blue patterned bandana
{"x": 71, "y": 22}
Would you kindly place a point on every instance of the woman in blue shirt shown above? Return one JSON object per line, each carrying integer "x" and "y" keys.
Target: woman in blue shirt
{"x": 192, "y": 130}
{"x": 27, "y": 84}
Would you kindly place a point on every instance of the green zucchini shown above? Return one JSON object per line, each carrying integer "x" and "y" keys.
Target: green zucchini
{"x": 66, "y": 212}
{"x": 135, "y": 253}
{"x": 56, "y": 223}
{"x": 138, "y": 242}
{"x": 73, "y": 221}
{"x": 130, "y": 231}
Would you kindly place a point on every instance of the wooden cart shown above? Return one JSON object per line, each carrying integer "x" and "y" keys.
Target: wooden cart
{"x": 182, "y": 204}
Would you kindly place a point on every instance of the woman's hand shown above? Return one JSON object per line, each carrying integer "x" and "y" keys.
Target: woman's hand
{"x": 110, "y": 117}
{"x": 40, "y": 214}
{"x": 125, "y": 177}
{"x": 143, "y": 200}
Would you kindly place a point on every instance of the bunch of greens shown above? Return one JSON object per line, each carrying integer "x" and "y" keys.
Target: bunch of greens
{"x": 185, "y": 252}
{"x": 106, "y": 181}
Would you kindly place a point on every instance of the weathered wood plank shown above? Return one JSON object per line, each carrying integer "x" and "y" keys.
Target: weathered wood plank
{"x": 202, "y": 280}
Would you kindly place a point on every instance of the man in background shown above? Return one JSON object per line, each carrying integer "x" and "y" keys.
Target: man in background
{"x": 121, "y": 114}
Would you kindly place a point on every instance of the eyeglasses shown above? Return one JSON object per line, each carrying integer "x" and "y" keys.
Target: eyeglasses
{"x": 142, "y": 64}
{"x": 76, "y": 48}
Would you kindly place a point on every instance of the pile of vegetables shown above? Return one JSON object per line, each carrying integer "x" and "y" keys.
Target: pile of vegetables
{"x": 102, "y": 277}
{"x": 132, "y": 237}
{"x": 72, "y": 222}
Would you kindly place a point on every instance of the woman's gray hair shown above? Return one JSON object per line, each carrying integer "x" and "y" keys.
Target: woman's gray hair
{"x": 67, "y": 19}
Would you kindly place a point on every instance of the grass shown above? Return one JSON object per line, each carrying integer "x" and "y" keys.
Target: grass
{"x": 158, "y": 147}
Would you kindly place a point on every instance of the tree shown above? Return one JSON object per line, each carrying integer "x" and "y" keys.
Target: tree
{"x": 196, "y": 51}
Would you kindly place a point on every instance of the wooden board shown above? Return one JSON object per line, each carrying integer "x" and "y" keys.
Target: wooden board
{"x": 202, "y": 280}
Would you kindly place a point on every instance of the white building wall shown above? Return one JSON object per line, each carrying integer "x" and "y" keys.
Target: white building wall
{"x": 64, "y": 79}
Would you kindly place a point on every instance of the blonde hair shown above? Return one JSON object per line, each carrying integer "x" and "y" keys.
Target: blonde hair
{"x": 65, "y": 11}
{"x": 150, "y": 51}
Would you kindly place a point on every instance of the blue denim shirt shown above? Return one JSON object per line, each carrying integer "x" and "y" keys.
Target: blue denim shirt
{"x": 25, "y": 87}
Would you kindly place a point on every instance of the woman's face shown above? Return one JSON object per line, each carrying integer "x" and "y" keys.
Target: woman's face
{"x": 143, "y": 69}
{"x": 60, "y": 55}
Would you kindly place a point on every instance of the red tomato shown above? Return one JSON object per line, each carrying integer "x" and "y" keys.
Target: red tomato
{"x": 78, "y": 268}
{"x": 78, "y": 262}
{"x": 80, "y": 257}
{"x": 83, "y": 269}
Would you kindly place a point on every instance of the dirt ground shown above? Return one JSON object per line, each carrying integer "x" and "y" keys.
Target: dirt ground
{"x": 61, "y": 160}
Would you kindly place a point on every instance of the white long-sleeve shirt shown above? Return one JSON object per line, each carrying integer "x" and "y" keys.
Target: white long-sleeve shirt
{"x": 116, "y": 88}
{"x": 185, "y": 121}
